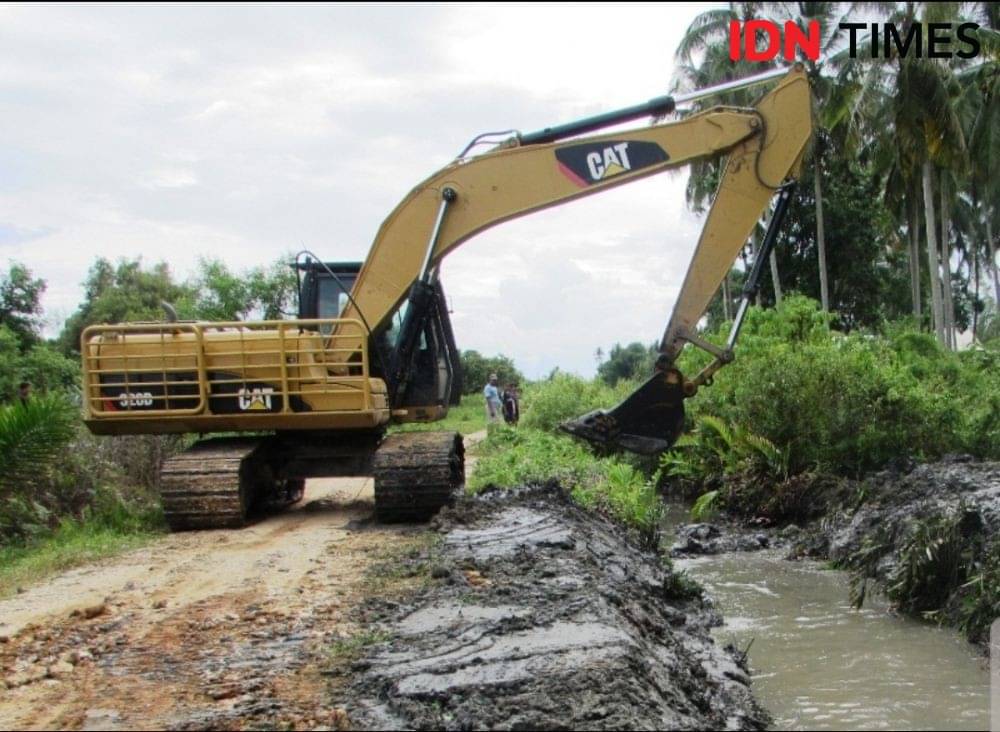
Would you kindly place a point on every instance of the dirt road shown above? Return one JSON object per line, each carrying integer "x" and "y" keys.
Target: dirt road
{"x": 218, "y": 628}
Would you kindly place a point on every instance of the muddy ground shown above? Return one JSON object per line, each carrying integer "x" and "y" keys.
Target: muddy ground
{"x": 539, "y": 615}
{"x": 506, "y": 612}
{"x": 220, "y": 629}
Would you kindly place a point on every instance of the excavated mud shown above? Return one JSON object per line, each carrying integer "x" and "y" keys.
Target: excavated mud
{"x": 540, "y": 615}
{"x": 895, "y": 500}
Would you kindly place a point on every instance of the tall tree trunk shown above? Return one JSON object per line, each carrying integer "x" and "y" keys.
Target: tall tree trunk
{"x": 774, "y": 278}
{"x": 824, "y": 289}
{"x": 914, "y": 215}
{"x": 932, "y": 250}
{"x": 975, "y": 301}
{"x": 949, "y": 302}
{"x": 993, "y": 257}
{"x": 727, "y": 306}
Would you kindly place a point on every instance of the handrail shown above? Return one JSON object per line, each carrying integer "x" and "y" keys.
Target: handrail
{"x": 144, "y": 369}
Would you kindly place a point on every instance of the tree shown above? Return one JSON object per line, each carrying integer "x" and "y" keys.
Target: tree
{"x": 262, "y": 292}
{"x": 273, "y": 289}
{"x": 869, "y": 285}
{"x": 125, "y": 292}
{"x": 20, "y": 304}
{"x": 477, "y": 368}
{"x": 632, "y": 361}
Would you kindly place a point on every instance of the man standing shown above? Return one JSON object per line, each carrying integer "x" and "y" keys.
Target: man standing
{"x": 493, "y": 406}
{"x": 511, "y": 406}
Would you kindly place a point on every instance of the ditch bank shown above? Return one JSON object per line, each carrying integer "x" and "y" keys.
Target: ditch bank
{"x": 539, "y": 614}
{"x": 927, "y": 536}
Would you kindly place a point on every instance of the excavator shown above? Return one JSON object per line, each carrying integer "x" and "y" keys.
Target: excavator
{"x": 373, "y": 345}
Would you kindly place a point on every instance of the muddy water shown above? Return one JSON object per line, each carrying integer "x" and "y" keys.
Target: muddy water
{"x": 818, "y": 664}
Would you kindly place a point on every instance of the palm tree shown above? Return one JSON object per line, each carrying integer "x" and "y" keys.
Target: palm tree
{"x": 982, "y": 103}
{"x": 31, "y": 435}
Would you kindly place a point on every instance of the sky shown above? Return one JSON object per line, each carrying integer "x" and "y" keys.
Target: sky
{"x": 248, "y": 132}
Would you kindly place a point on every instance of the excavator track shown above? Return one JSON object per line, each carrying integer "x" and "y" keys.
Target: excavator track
{"x": 416, "y": 474}
{"x": 211, "y": 485}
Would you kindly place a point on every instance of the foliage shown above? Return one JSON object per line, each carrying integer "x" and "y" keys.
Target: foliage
{"x": 630, "y": 362}
{"x": 476, "y": 370}
{"x": 124, "y": 292}
{"x": 548, "y": 404}
{"x": 932, "y": 563}
{"x": 20, "y": 304}
{"x": 868, "y": 280}
{"x": 513, "y": 457}
{"x": 944, "y": 569}
{"x": 76, "y": 479}
{"x": 262, "y": 292}
{"x": 128, "y": 291}
{"x": 847, "y": 404}
{"x": 980, "y": 596}
{"x": 715, "y": 450}
{"x": 31, "y": 435}
{"x": 705, "y": 506}
{"x": 111, "y": 525}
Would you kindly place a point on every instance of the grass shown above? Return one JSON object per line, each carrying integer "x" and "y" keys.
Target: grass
{"x": 466, "y": 418}
{"x": 348, "y": 649}
{"x": 512, "y": 457}
{"x": 110, "y": 528}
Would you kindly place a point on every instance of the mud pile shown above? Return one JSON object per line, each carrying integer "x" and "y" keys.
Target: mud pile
{"x": 895, "y": 500}
{"x": 540, "y": 615}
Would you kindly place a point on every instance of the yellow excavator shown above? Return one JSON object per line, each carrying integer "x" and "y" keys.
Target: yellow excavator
{"x": 372, "y": 344}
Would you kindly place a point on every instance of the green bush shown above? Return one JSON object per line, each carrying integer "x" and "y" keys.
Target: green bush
{"x": 850, "y": 403}
{"x": 547, "y": 404}
{"x": 31, "y": 436}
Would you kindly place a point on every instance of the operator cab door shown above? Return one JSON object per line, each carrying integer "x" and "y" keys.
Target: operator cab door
{"x": 433, "y": 377}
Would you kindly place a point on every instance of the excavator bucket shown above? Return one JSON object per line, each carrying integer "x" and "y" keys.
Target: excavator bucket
{"x": 648, "y": 422}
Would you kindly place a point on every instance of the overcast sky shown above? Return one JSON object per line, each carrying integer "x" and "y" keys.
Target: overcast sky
{"x": 247, "y": 132}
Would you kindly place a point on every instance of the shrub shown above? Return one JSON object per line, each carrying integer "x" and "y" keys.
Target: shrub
{"x": 849, "y": 404}
{"x": 547, "y": 404}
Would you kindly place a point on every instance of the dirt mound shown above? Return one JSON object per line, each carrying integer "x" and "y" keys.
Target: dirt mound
{"x": 540, "y": 615}
{"x": 895, "y": 500}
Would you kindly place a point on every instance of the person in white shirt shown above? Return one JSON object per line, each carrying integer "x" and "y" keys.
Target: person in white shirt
{"x": 494, "y": 409}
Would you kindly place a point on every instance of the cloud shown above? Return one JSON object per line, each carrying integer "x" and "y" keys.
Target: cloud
{"x": 10, "y": 234}
{"x": 176, "y": 132}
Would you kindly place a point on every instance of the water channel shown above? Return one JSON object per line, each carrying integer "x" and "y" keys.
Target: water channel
{"x": 819, "y": 664}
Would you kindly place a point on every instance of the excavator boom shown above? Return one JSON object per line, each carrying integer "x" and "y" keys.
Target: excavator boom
{"x": 764, "y": 146}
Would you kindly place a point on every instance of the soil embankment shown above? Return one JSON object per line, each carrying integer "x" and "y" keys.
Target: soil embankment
{"x": 538, "y": 614}
{"x": 927, "y": 532}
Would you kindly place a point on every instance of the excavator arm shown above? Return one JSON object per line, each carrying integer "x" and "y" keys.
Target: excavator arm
{"x": 764, "y": 147}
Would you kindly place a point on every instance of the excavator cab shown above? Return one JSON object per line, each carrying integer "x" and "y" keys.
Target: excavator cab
{"x": 431, "y": 364}
{"x": 324, "y": 287}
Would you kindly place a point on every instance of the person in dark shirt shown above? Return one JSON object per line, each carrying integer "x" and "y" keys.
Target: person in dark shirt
{"x": 24, "y": 392}
{"x": 511, "y": 405}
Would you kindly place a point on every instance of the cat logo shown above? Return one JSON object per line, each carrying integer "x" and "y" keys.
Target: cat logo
{"x": 257, "y": 399}
{"x": 610, "y": 161}
{"x": 596, "y": 162}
